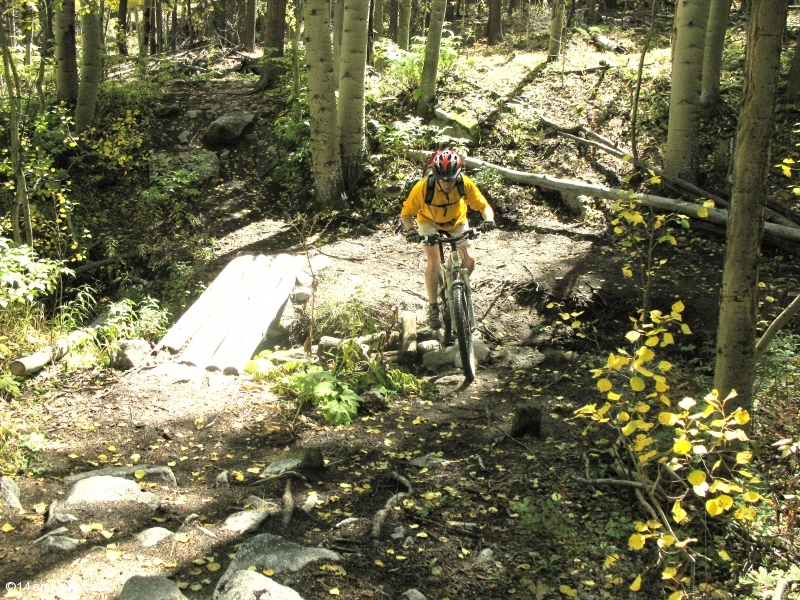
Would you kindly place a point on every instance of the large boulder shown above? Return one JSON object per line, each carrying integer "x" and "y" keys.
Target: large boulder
{"x": 228, "y": 128}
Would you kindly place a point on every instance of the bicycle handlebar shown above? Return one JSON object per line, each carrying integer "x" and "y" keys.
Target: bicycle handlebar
{"x": 436, "y": 238}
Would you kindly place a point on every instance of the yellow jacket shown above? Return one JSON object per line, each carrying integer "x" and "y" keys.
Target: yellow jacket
{"x": 446, "y": 211}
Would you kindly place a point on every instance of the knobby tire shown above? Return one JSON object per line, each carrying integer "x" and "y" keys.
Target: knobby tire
{"x": 447, "y": 323}
{"x": 463, "y": 332}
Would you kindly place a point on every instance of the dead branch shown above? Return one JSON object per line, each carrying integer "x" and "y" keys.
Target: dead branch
{"x": 776, "y": 326}
{"x": 608, "y": 481}
{"x": 402, "y": 481}
{"x": 381, "y": 515}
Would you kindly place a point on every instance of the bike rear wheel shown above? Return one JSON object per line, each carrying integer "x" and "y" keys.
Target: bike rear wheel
{"x": 463, "y": 331}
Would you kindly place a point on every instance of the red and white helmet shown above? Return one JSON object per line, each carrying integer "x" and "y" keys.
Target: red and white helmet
{"x": 447, "y": 164}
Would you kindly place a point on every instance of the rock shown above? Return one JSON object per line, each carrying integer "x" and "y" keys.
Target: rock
{"x": 267, "y": 551}
{"x": 246, "y": 520}
{"x": 301, "y": 295}
{"x": 152, "y": 473}
{"x": 412, "y": 594}
{"x": 256, "y": 503}
{"x": 371, "y": 402}
{"x": 10, "y": 494}
{"x": 485, "y": 555}
{"x": 164, "y": 111}
{"x": 184, "y": 136}
{"x": 480, "y": 350}
{"x": 398, "y": 533}
{"x": 457, "y": 125}
{"x": 429, "y": 461}
{"x": 281, "y": 466}
{"x": 577, "y": 203}
{"x": 222, "y": 479}
{"x": 428, "y": 346}
{"x": 131, "y": 353}
{"x": 105, "y": 489}
{"x": 139, "y": 587}
{"x": 59, "y": 543}
{"x": 519, "y": 357}
{"x": 249, "y": 585}
{"x": 228, "y": 128}
{"x": 439, "y": 359}
{"x": 153, "y": 535}
{"x": 203, "y": 164}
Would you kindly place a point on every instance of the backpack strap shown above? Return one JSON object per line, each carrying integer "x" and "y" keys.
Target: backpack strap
{"x": 431, "y": 188}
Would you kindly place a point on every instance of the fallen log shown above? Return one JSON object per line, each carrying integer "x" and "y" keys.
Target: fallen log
{"x": 605, "y": 43}
{"x": 32, "y": 363}
{"x": 690, "y": 209}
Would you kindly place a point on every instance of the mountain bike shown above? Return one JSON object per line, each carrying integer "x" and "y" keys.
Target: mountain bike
{"x": 455, "y": 297}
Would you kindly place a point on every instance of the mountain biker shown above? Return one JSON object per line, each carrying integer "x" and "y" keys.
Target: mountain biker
{"x": 445, "y": 209}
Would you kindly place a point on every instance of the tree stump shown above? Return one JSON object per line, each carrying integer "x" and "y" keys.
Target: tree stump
{"x": 527, "y": 419}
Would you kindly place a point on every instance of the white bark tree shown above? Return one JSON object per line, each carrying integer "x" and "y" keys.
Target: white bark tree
{"x": 430, "y": 68}
{"x": 712, "y": 56}
{"x": 65, "y": 53}
{"x": 91, "y": 65}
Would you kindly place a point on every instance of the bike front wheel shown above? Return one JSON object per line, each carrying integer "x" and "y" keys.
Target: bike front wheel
{"x": 447, "y": 323}
{"x": 463, "y": 330}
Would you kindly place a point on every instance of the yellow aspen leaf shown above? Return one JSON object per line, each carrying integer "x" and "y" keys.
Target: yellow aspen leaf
{"x": 626, "y": 271}
{"x": 678, "y": 513}
{"x": 687, "y": 403}
{"x": 182, "y": 537}
{"x": 742, "y": 417}
{"x": 613, "y": 396}
{"x": 611, "y": 560}
{"x": 696, "y": 477}
{"x": 745, "y": 513}
{"x": 665, "y": 399}
{"x": 215, "y": 566}
{"x": 623, "y": 416}
{"x": 618, "y": 229}
{"x": 682, "y": 447}
{"x": 664, "y": 366}
{"x": 629, "y": 428}
{"x": 652, "y": 341}
{"x": 636, "y": 541}
{"x": 7, "y": 528}
{"x": 712, "y": 507}
{"x": 640, "y": 526}
{"x": 720, "y": 486}
{"x": 751, "y": 496}
{"x": 685, "y": 329}
{"x": 643, "y": 458}
{"x": 645, "y": 354}
{"x": 724, "y": 555}
{"x": 666, "y": 540}
{"x": 661, "y": 386}
{"x": 568, "y": 591}
{"x": 637, "y": 384}
{"x": 642, "y": 407}
{"x": 678, "y": 307}
{"x": 667, "y": 339}
{"x": 652, "y": 524}
{"x": 742, "y": 458}
{"x": 379, "y": 563}
{"x": 334, "y": 592}
{"x": 632, "y": 336}
{"x": 724, "y": 501}
{"x": 669, "y": 573}
{"x": 604, "y": 384}
{"x": 702, "y": 212}
{"x": 675, "y": 596}
{"x": 637, "y": 584}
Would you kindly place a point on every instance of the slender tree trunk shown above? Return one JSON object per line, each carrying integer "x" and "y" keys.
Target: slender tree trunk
{"x": 122, "y": 27}
{"x": 377, "y": 18}
{"x": 338, "y": 23}
{"x": 394, "y": 8}
{"x": 146, "y": 27}
{"x": 21, "y": 200}
{"x": 91, "y": 65}
{"x": 173, "y": 36}
{"x": 556, "y": 31}
{"x": 712, "y": 56}
{"x": 325, "y": 144}
{"x": 249, "y": 25}
{"x": 274, "y": 41}
{"x": 793, "y": 78}
{"x": 66, "y": 55}
{"x": 736, "y": 336}
{"x": 298, "y": 23}
{"x": 46, "y": 23}
{"x": 160, "y": 45}
{"x": 430, "y": 67}
{"x": 495, "y": 22}
{"x": 152, "y": 41}
{"x": 684, "y": 104}
{"x": 403, "y": 23}
{"x": 189, "y": 23}
{"x": 352, "y": 71}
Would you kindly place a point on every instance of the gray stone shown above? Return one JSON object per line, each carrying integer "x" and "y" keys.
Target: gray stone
{"x": 267, "y": 551}
{"x": 577, "y": 203}
{"x": 58, "y": 543}
{"x": 457, "y": 125}
{"x": 166, "y": 110}
{"x": 281, "y": 466}
{"x": 184, "y": 136}
{"x": 301, "y": 295}
{"x": 222, "y": 479}
{"x": 412, "y": 594}
{"x": 249, "y": 585}
{"x": 153, "y": 535}
{"x": 10, "y": 494}
{"x": 519, "y": 357}
{"x": 480, "y": 350}
{"x": 485, "y": 555}
{"x": 203, "y": 164}
{"x": 192, "y": 114}
{"x": 131, "y": 353}
{"x": 140, "y": 587}
{"x": 106, "y": 489}
{"x": 398, "y": 533}
{"x": 152, "y": 473}
{"x": 256, "y": 503}
{"x": 228, "y": 128}
{"x": 408, "y": 542}
{"x": 430, "y": 461}
{"x": 57, "y": 531}
{"x": 246, "y": 520}
{"x": 428, "y": 346}
{"x": 439, "y": 359}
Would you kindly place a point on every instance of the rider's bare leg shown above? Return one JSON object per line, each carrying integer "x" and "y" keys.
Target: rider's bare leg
{"x": 467, "y": 255}
{"x": 432, "y": 272}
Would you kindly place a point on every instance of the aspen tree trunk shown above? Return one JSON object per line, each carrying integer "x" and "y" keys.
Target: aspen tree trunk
{"x": 736, "y": 336}
{"x": 159, "y": 29}
{"x": 91, "y": 65}
{"x": 325, "y": 149}
{"x": 393, "y": 13}
{"x": 249, "y": 25}
{"x": 352, "y": 70}
{"x": 66, "y": 55}
{"x": 495, "y": 22}
{"x": 122, "y": 27}
{"x": 403, "y": 23}
{"x": 793, "y": 78}
{"x": 377, "y": 18}
{"x": 46, "y": 23}
{"x": 712, "y": 56}
{"x": 338, "y": 22}
{"x": 430, "y": 68}
{"x": 556, "y": 30}
{"x": 684, "y": 104}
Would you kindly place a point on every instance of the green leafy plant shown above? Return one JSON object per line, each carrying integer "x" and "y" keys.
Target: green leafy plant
{"x": 24, "y": 276}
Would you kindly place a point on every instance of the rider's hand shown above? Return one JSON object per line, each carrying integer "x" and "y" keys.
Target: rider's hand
{"x": 413, "y": 237}
{"x": 488, "y": 226}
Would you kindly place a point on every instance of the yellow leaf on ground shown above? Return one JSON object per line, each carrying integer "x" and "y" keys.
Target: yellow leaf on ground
{"x": 682, "y": 447}
{"x": 604, "y": 384}
{"x": 214, "y": 567}
{"x": 636, "y": 541}
{"x": 334, "y": 591}
{"x": 696, "y": 477}
{"x": 568, "y": 591}
{"x": 677, "y": 512}
{"x": 182, "y": 537}
{"x": 7, "y": 527}
{"x": 637, "y": 584}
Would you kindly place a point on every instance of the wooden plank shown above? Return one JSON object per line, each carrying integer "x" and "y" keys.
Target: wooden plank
{"x": 262, "y": 293}
{"x": 262, "y": 318}
{"x": 208, "y": 337}
{"x": 199, "y": 312}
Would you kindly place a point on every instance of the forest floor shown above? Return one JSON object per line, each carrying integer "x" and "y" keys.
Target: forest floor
{"x": 550, "y": 536}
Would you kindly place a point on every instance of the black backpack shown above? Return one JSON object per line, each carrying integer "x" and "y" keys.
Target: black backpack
{"x": 431, "y": 188}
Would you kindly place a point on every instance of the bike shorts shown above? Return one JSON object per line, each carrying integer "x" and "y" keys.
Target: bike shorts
{"x": 425, "y": 229}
